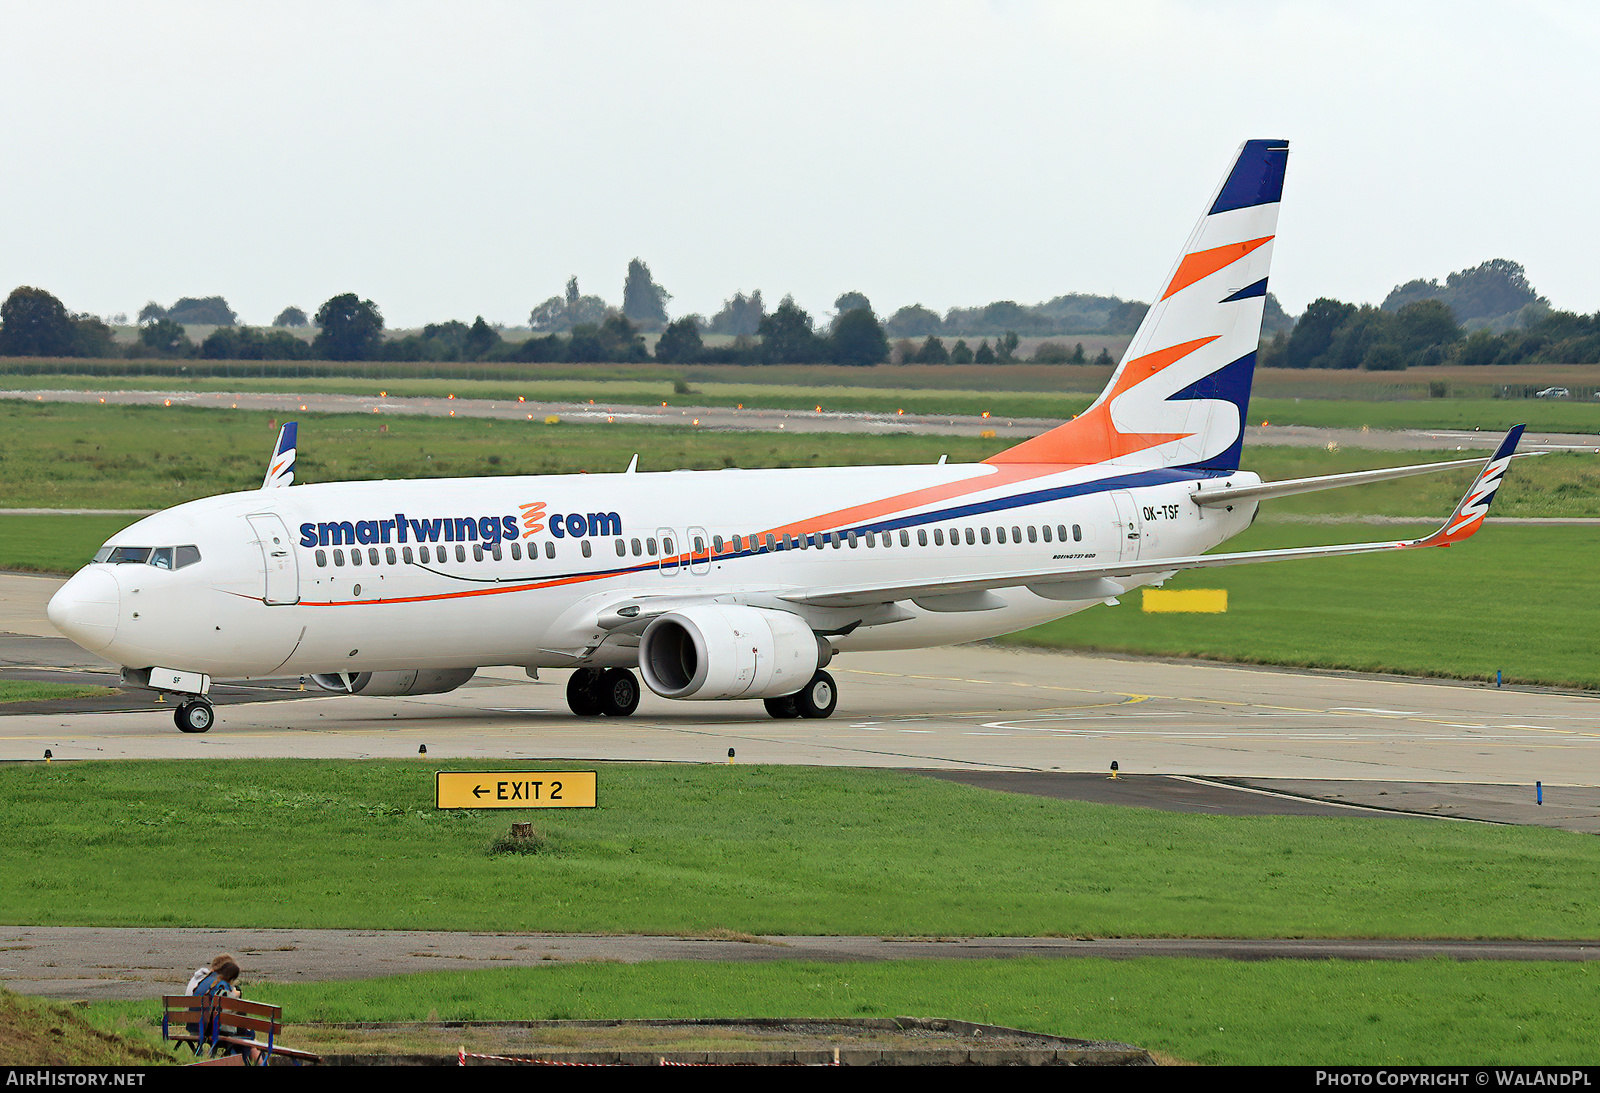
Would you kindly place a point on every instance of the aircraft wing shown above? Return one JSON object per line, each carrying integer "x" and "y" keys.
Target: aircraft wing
{"x": 967, "y": 593}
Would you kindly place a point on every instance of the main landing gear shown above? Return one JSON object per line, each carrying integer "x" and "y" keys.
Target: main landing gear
{"x": 195, "y": 715}
{"x": 613, "y": 692}
{"x": 816, "y": 699}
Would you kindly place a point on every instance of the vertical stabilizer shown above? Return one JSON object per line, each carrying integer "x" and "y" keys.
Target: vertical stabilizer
{"x": 1179, "y": 397}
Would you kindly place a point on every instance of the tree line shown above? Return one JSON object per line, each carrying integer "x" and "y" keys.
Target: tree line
{"x": 1486, "y": 315}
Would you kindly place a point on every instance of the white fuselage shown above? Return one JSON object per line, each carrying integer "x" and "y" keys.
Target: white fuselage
{"x": 332, "y": 577}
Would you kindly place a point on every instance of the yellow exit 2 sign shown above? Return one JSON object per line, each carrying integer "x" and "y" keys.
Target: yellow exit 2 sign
{"x": 515, "y": 788}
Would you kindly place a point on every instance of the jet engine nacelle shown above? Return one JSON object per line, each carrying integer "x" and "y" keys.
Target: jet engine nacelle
{"x": 419, "y": 681}
{"x": 718, "y": 651}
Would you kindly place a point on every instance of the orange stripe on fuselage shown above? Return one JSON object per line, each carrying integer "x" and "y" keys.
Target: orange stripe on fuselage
{"x": 1203, "y": 263}
{"x": 1092, "y": 437}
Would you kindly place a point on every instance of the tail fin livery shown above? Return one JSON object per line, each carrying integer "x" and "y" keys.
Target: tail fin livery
{"x": 1474, "y": 506}
{"x": 280, "y": 472}
{"x": 1179, "y": 396}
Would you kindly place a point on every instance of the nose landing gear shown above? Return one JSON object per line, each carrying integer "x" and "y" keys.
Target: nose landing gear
{"x": 194, "y": 716}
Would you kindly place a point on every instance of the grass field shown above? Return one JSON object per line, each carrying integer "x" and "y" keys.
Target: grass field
{"x": 1210, "y": 1012}
{"x": 64, "y": 456}
{"x": 14, "y": 690}
{"x": 745, "y": 849}
{"x": 70, "y": 456}
{"x": 1524, "y": 600}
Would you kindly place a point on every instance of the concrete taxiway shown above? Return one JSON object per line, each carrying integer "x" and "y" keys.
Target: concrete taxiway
{"x": 1378, "y": 742}
{"x": 101, "y": 963}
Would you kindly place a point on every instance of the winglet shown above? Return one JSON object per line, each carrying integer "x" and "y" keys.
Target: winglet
{"x": 1474, "y": 506}
{"x": 280, "y": 472}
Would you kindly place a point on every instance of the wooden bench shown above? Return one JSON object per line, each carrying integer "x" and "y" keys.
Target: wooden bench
{"x": 219, "y": 1019}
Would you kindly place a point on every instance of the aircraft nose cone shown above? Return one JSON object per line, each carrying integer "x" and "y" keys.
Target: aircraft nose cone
{"x": 85, "y": 609}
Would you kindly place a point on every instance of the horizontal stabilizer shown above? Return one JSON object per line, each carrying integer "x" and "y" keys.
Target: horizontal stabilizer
{"x": 1216, "y": 493}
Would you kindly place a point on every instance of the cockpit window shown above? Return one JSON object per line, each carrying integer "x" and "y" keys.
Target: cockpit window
{"x": 160, "y": 557}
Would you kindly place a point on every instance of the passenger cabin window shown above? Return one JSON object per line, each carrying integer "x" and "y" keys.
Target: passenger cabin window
{"x": 973, "y": 538}
{"x": 477, "y": 552}
{"x": 461, "y": 552}
{"x": 938, "y": 536}
{"x": 1046, "y": 530}
{"x": 549, "y": 549}
{"x": 322, "y": 559}
{"x": 1033, "y": 534}
{"x": 587, "y": 551}
{"x": 338, "y": 557}
{"x": 985, "y": 536}
{"x": 1077, "y": 534}
{"x": 405, "y": 555}
{"x": 388, "y": 552}
{"x": 516, "y": 552}
{"x": 355, "y": 556}
{"x": 372, "y": 555}
{"x": 622, "y": 548}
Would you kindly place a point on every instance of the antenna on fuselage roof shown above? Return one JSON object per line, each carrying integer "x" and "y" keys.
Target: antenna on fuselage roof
{"x": 943, "y": 459}
{"x": 633, "y": 464}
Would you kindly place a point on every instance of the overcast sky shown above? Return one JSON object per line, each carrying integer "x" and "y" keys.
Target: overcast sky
{"x": 454, "y": 159}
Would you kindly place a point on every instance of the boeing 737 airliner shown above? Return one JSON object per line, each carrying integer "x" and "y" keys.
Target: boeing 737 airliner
{"x": 730, "y": 584}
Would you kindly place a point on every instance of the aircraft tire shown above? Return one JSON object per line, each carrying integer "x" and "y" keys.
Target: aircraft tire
{"x": 618, "y": 692}
{"x": 781, "y": 708}
{"x": 583, "y": 692}
{"x": 194, "y": 717}
{"x": 817, "y": 698}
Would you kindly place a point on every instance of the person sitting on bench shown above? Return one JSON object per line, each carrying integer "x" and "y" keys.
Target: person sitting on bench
{"x": 220, "y": 981}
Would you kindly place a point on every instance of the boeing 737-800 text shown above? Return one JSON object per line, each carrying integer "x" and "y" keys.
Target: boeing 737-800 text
{"x": 734, "y": 584}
